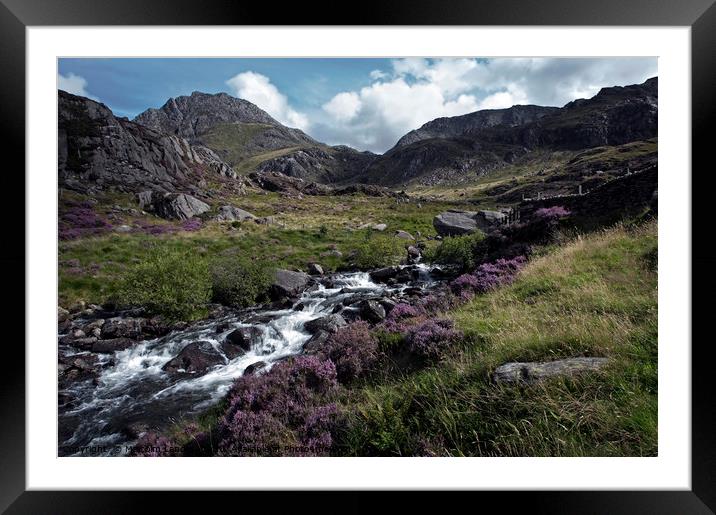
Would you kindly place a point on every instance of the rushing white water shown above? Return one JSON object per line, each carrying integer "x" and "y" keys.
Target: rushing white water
{"x": 132, "y": 388}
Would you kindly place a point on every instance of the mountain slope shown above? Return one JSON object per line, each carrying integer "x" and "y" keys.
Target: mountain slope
{"x": 248, "y": 139}
{"x": 457, "y": 126}
{"x": 467, "y": 147}
{"x": 98, "y": 151}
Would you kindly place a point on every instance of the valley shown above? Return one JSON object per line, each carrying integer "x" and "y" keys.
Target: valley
{"x": 230, "y": 286}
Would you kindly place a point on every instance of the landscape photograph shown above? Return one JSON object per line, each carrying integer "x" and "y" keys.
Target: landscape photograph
{"x": 351, "y": 257}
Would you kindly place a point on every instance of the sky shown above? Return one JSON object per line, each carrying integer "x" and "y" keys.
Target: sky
{"x": 367, "y": 104}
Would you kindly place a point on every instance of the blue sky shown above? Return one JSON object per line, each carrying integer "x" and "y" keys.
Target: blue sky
{"x": 365, "y": 103}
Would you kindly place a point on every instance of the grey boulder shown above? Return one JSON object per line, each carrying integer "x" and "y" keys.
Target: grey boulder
{"x": 173, "y": 206}
{"x": 196, "y": 358}
{"x": 287, "y": 283}
{"x": 233, "y": 214}
{"x": 329, "y": 324}
{"x": 531, "y": 372}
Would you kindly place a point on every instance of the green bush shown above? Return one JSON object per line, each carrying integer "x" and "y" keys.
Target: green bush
{"x": 239, "y": 281}
{"x": 168, "y": 282}
{"x": 375, "y": 251}
{"x": 456, "y": 250}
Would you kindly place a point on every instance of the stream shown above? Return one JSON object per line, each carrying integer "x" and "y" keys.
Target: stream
{"x": 132, "y": 390}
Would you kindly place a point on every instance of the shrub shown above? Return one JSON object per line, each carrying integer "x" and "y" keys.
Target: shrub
{"x": 170, "y": 283}
{"x": 456, "y": 250}
{"x": 353, "y": 349}
{"x": 239, "y": 281}
{"x": 430, "y": 339}
{"x": 376, "y": 251}
{"x": 286, "y": 411}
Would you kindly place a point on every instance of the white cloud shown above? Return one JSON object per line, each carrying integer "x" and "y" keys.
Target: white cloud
{"x": 344, "y": 106}
{"x": 74, "y": 84}
{"x": 512, "y": 95}
{"x": 377, "y": 115}
{"x": 258, "y": 89}
{"x": 419, "y": 90}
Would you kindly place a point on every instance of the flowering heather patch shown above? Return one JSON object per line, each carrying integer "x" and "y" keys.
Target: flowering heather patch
{"x": 403, "y": 310}
{"x": 154, "y": 229}
{"x": 78, "y": 219}
{"x": 283, "y": 412}
{"x": 353, "y": 349}
{"x": 488, "y": 276}
{"x": 552, "y": 213}
{"x": 192, "y": 224}
{"x": 437, "y": 303}
{"x": 431, "y": 338}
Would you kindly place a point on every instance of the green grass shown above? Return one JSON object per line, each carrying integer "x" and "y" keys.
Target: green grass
{"x": 304, "y": 229}
{"x": 595, "y": 296}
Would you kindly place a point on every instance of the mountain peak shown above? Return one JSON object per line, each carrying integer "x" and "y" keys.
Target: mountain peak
{"x": 193, "y": 115}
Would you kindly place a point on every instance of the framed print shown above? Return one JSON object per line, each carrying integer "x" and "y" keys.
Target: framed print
{"x": 410, "y": 252}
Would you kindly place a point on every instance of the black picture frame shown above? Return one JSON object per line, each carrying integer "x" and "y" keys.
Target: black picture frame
{"x": 16, "y": 15}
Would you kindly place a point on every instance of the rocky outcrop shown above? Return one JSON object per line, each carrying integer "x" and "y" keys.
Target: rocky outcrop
{"x": 457, "y": 126}
{"x": 287, "y": 283}
{"x": 321, "y": 164}
{"x": 536, "y": 371}
{"x": 98, "y": 151}
{"x": 172, "y": 206}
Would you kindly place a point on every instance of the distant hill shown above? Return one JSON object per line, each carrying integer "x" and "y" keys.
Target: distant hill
{"x": 476, "y": 144}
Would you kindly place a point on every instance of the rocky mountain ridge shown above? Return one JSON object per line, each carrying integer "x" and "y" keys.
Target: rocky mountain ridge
{"x": 98, "y": 151}
{"x": 473, "y": 145}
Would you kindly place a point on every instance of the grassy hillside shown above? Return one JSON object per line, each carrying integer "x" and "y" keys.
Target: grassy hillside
{"x": 302, "y": 230}
{"x": 245, "y": 145}
{"x": 595, "y": 296}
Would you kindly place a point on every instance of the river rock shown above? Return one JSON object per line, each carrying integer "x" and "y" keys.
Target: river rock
{"x": 535, "y": 371}
{"x": 195, "y": 358}
{"x": 112, "y": 345}
{"x": 404, "y": 235}
{"x": 371, "y": 310}
{"x": 254, "y": 367}
{"x": 328, "y": 323}
{"x": 287, "y": 283}
{"x": 62, "y": 314}
{"x": 85, "y": 343}
{"x": 119, "y": 327}
{"x": 382, "y": 275}
{"x": 316, "y": 341}
{"x": 315, "y": 269}
{"x": 243, "y": 338}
